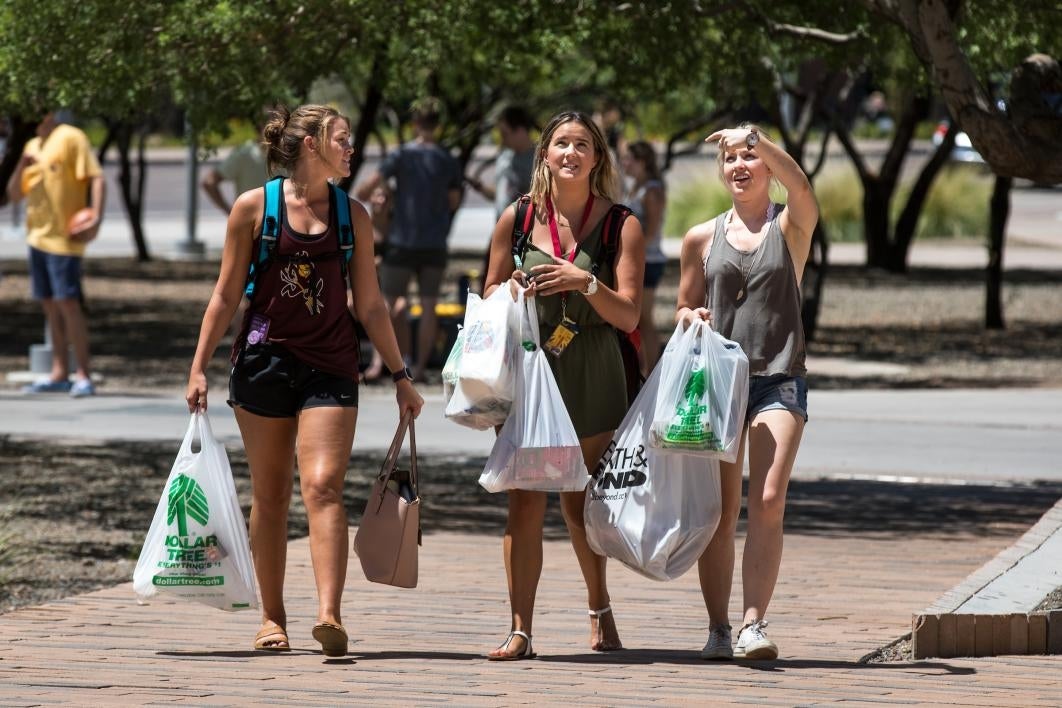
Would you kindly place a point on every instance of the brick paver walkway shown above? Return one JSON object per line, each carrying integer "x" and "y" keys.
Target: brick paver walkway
{"x": 838, "y": 599}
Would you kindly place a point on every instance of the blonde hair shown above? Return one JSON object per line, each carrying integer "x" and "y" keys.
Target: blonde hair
{"x": 604, "y": 178}
{"x": 284, "y": 132}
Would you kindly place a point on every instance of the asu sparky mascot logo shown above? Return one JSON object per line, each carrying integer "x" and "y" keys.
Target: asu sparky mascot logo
{"x": 301, "y": 280}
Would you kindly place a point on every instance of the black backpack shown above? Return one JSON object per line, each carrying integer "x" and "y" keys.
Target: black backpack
{"x": 629, "y": 342}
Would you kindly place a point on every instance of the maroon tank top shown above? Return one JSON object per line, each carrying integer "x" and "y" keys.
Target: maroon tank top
{"x": 300, "y": 301}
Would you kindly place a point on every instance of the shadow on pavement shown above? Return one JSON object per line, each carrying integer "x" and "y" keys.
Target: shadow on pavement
{"x": 105, "y": 497}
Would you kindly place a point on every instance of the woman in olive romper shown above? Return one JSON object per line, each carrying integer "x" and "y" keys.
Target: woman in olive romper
{"x": 574, "y": 183}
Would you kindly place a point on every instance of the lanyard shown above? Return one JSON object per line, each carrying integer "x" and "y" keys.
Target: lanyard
{"x": 554, "y": 232}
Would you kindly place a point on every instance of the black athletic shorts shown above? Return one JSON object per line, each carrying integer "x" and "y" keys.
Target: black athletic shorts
{"x": 270, "y": 381}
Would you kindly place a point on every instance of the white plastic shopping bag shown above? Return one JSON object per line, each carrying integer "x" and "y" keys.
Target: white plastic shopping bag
{"x": 704, "y": 390}
{"x": 538, "y": 447}
{"x": 653, "y": 510}
{"x": 483, "y": 362}
{"x": 197, "y": 546}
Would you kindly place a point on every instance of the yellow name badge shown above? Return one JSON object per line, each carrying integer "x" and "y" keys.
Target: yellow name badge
{"x": 562, "y": 336}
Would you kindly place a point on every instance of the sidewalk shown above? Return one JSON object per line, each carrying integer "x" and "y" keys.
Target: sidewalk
{"x": 425, "y": 646}
{"x": 849, "y": 585}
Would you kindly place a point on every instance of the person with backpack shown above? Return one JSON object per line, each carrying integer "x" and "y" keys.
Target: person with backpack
{"x": 741, "y": 272}
{"x": 582, "y": 260}
{"x": 295, "y": 247}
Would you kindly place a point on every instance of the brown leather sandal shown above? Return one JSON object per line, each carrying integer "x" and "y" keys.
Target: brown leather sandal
{"x": 333, "y": 638}
{"x": 272, "y": 637}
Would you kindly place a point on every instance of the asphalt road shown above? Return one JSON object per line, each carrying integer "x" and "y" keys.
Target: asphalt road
{"x": 963, "y": 436}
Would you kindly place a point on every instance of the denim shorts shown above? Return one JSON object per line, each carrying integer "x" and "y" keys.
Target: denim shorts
{"x": 54, "y": 277}
{"x": 269, "y": 381}
{"x": 778, "y": 392}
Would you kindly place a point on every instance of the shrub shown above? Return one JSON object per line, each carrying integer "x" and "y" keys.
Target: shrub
{"x": 957, "y": 204}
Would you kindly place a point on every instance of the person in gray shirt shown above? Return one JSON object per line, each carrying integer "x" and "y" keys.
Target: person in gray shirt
{"x": 741, "y": 272}
{"x": 427, "y": 191}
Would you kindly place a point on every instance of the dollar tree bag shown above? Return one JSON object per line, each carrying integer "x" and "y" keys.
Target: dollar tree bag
{"x": 482, "y": 364}
{"x": 653, "y": 510}
{"x": 704, "y": 390}
{"x": 197, "y": 547}
{"x": 538, "y": 447}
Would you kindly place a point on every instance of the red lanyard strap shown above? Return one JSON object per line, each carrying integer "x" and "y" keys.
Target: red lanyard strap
{"x": 554, "y": 232}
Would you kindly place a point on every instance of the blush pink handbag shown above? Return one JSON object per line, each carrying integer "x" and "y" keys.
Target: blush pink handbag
{"x": 389, "y": 533}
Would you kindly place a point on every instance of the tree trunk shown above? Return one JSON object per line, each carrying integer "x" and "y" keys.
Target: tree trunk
{"x": 367, "y": 118}
{"x": 814, "y": 278}
{"x": 904, "y": 232}
{"x": 22, "y": 132}
{"x": 876, "y": 198}
{"x": 997, "y": 229}
{"x": 132, "y": 195}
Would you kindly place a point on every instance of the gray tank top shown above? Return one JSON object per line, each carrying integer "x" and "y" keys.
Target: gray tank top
{"x": 755, "y": 300}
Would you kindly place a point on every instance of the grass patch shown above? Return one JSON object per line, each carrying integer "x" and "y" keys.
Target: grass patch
{"x": 957, "y": 204}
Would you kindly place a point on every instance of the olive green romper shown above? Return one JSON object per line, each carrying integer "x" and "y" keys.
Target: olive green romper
{"x": 590, "y": 371}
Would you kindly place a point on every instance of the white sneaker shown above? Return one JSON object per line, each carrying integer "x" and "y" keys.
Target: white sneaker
{"x": 752, "y": 643}
{"x": 719, "y": 643}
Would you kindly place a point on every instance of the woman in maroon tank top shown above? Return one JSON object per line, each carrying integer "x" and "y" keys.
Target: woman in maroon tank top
{"x": 294, "y": 380}
{"x": 746, "y": 265}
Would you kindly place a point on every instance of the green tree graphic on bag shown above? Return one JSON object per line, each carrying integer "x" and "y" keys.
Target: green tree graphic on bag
{"x": 186, "y": 499}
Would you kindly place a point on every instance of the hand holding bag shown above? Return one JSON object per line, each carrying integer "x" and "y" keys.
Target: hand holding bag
{"x": 197, "y": 545}
{"x": 704, "y": 390}
{"x": 389, "y": 533}
{"x": 537, "y": 448}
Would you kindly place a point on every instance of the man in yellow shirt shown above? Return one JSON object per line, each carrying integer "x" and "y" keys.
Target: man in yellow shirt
{"x": 64, "y": 189}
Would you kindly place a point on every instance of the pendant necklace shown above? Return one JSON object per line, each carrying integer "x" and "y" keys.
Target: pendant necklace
{"x": 746, "y": 274}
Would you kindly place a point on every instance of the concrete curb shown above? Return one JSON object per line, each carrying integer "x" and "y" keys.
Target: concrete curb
{"x": 990, "y": 612}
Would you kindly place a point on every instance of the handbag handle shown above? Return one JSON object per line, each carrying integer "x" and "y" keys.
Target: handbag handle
{"x": 391, "y": 461}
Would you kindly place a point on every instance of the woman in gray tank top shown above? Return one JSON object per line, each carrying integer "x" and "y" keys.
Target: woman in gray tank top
{"x": 741, "y": 272}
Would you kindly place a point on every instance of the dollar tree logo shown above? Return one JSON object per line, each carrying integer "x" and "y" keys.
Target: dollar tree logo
{"x": 186, "y": 499}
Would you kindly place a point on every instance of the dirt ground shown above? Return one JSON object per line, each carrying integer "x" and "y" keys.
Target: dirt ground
{"x": 72, "y": 518}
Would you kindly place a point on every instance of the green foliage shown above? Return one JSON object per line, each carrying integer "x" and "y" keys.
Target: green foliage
{"x": 956, "y": 206}
{"x": 693, "y": 203}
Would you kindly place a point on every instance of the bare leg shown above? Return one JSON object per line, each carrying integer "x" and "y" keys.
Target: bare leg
{"x": 270, "y": 445}
{"x": 774, "y": 437}
{"x": 715, "y": 567}
{"x": 650, "y": 350}
{"x": 522, "y": 549}
{"x": 53, "y": 315}
{"x": 426, "y": 333}
{"x": 603, "y": 634}
{"x": 325, "y": 437}
{"x": 73, "y": 318}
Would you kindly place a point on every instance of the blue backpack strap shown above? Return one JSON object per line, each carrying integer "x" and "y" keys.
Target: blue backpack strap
{"x": 267, "y": 239}
{"x": 346, "y": 228}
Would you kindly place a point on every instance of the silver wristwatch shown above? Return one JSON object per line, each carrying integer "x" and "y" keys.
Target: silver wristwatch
{"x": 752, "y": 139}
{"x": 591, "y": 284}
